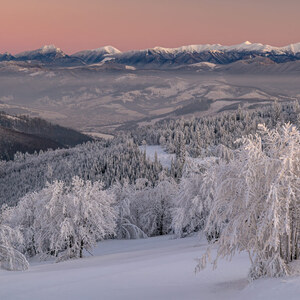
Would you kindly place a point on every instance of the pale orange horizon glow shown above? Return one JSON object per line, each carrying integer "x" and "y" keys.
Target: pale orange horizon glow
{"x": 74, "y": 25}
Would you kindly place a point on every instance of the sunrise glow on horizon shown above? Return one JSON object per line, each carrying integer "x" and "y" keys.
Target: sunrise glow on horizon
{"x": 74, "y": 25}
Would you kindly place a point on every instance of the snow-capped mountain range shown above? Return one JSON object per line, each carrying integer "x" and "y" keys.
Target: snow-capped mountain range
{"x": 159, "y": 56}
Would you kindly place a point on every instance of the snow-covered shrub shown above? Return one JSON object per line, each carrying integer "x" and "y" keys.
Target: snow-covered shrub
{"x": 144, "y": 210}
{"x": 126, "y": 227}
{"x": 11, "y": 240}
{"x": 257, "y": 202}
{"x": 156, "y": 204}
{"x": 63, "y": 220}
{"x": 23, "y": 217}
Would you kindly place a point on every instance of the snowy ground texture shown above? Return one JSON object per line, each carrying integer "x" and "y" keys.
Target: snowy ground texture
{"x": 159, "y": 268}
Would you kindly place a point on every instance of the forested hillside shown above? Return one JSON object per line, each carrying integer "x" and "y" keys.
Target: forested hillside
{"x": 26, "y": 134}
{"x": 235, "y": 178}
{"x": 200, "y": 134}
{"x": 12, "y": 141}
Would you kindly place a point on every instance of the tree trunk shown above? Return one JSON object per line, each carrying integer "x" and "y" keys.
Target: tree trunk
{"x": 81, "y": 249}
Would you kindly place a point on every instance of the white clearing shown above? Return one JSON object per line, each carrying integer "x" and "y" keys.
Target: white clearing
{"x": 159, "y": 268}
{"x": 164, "y": 158}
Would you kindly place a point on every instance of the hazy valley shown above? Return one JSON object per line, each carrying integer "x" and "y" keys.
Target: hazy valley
{"x": 105, "y": 97}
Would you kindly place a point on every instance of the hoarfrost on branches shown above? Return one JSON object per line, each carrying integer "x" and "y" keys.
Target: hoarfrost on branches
{"x": 256, "y": 202}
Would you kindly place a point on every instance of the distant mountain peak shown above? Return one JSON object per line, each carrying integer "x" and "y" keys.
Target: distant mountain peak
{"x": 49, "y": 48}
{"x": 96, "y": 55}
{"x": 44, "y": 50}
{"x": 101, "y": 50}
{"x": 109, "y": 49}
{"x": 294, "y": 48}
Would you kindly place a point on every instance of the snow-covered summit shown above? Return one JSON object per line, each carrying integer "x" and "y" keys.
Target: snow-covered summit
{"x": 245, "y": 46}
{"x": 162, "y": 56}
{"x": 47, "y": 49}
{"x": 212, "y": 53}
{"x": 96, "y": 55}
{"x": 101, "y": 50}
{"x": 108, "y": 49}
{"x": 293, "y": 48}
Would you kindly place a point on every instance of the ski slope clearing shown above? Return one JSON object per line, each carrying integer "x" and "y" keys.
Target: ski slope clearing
{"x": 154, "y": 268}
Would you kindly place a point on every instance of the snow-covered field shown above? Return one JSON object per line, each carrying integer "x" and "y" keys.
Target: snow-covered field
{"x": 164, "y": 157}
{"x": 159, "y": 268}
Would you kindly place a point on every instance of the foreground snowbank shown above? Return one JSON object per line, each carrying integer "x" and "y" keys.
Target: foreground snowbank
{"x": 158, "y": 268}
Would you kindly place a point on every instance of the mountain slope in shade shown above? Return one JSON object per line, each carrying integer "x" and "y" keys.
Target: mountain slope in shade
{"x": 6, "y": 56}
{"x": 12, "y": 141}
{"x": 25, "y": 134}
{"x": 48, "y": 54}
{"x": 96, "y": 55}
{"x": 44, "y": 53}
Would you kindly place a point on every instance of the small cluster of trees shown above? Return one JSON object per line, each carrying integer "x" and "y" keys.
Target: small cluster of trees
{"x": 59, "y": 221}
{"x": 145, "y": 210}
{"x": 63, "y": 220}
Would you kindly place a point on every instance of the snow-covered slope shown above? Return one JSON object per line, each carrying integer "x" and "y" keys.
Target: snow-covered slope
{"x": 158, "y": 268}
{"x": 164, "y": 158}
{"x": 246, "y": 46}
{"x": 6, "y": 56}
{"x": 49, "y": 51}
{"x": 47, "y": 54}
{"x": 96, "y": 55}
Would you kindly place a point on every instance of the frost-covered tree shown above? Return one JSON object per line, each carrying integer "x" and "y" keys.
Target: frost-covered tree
{"x": 126, "y": 227}
{"x": 144, "y": 210}
{"x": 156, "y": 204}
{"x": 11, "y": 240}
{"x": 70, "y": 219}
{"x": 257, "y": 202}
{"x": 23, "y": 217}
{"x": 193, "y": 200}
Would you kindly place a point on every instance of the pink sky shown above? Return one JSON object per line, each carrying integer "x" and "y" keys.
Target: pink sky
{"x": 74, "y": 25}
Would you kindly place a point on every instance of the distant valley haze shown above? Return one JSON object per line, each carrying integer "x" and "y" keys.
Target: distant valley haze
{"x": 112, "y": 64}
{"x": 104, "y": 90}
